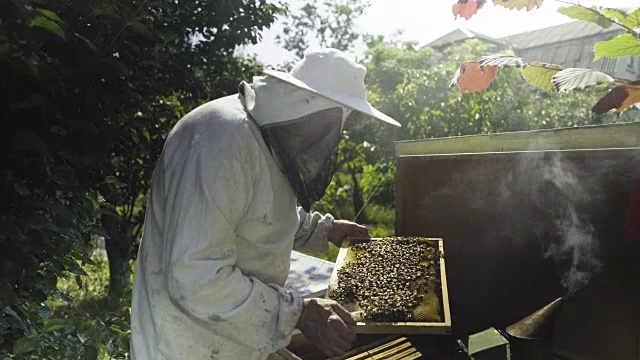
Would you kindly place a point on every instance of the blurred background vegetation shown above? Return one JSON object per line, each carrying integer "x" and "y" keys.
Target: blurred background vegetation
{"x": 96, "y": 86}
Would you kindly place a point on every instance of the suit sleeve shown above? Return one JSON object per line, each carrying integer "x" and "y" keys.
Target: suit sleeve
{"x": 312, "y": 232}
{"x": 210, "y": 188}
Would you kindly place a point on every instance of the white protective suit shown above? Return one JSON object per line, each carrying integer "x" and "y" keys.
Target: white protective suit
{"x": 220, "y": 226}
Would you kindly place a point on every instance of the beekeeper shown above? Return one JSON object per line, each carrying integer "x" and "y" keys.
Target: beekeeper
{"x": 222, "y": 218}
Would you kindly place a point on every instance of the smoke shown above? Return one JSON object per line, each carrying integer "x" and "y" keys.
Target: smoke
{"x": 557, "y": 196}
{"x": 579, "y": 245}
{"x": 563, "y": 201}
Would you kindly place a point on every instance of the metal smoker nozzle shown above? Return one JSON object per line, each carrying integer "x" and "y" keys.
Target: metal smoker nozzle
{"x": 538, "y": 325}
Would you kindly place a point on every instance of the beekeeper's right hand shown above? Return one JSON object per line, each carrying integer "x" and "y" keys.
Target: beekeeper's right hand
{"x": 327, "y": 325}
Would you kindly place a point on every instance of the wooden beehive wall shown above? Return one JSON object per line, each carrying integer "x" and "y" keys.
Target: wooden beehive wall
{"x": 495, "y": 206}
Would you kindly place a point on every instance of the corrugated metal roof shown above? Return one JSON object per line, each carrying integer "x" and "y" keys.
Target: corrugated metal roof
{"x": 559, "y": 33}
{"x": 551, "y": 35}
{"x": 460, "y": 34}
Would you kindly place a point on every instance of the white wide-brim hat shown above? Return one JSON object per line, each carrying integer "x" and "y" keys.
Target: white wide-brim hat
{"x": 331, "y": 74}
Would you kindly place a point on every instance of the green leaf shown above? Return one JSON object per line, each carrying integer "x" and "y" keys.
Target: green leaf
{"x": 629, "y": 20}
{"x": 632, "y": 20}
{"x": 75, "y": 268}
{"x": 140, "y": 28}
{"x": 146, "y": 135}
{"x": 518, "y": 4}
{"x": 28, "y": 142}
{"x": 52, "y": 325}
{"x": 47, "y": 24}
{"x": 9, "y": 311}
{"x": 539, "y": 74}
{"x": 586, "y": 14}
{"x": 25, "y": 345}
{"x": 64, "y": 297}
{"x": 90, "y": 352}
{"x": 577, "y": 78}
{"x": 614, "y": 14}
{"x": 49, "y": 14}
{"x": 619, "y": 46}
{"x": 25, "y": 66}
{"x": 118, "y": 330}
{"x": 82, "y": 337}
{"x": 502, "y": 61}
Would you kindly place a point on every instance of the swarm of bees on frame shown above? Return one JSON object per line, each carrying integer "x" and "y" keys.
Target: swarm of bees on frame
{"x": 389, "y": 278}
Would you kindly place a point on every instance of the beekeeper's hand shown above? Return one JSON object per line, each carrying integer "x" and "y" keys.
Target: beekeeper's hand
{"x": 327, "y": 325}
{"x": 343, "y": 229}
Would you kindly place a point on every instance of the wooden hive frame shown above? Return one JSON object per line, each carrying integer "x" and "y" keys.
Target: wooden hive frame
{"x": 391, "y": 347}
{"x": 430, "y": 328}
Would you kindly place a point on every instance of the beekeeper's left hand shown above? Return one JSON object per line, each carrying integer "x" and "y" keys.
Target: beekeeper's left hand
{"x": 343, "y": 229}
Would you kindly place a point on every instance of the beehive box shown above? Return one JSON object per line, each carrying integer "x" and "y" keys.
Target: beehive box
{"x": 379, "y": 347}
{"x": 366, "y": 325}
{"x": 500, "y": 203}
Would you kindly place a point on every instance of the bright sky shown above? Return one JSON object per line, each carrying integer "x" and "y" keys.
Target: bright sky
{"x": 426, "y": 20}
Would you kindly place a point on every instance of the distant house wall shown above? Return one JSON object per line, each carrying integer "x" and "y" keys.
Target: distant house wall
{"x": 628, "y": 68}
{"x": 579, "y": 53}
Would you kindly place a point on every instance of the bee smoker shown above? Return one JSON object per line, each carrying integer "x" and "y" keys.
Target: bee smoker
{"x": 527, "y": 339}
{"x": 531, "y": 337}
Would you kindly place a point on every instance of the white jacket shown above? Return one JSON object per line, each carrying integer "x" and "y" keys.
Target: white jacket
{"x": 220, "y": 225}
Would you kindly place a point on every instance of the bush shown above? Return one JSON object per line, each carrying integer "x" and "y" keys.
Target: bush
{"x": 90, "y": 325}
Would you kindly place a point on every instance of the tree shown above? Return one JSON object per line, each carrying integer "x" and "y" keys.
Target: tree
{"x": 329, "y": 24}
{"x": 95, "y": 87}
{"x": 475, "y": 76}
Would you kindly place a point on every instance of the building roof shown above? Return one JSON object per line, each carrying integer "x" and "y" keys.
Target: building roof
{"x": 556, "y": 34}
{"x": 460, "y": 34}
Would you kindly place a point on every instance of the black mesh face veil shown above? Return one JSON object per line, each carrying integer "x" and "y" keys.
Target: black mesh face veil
{"x": 307, "y": 149}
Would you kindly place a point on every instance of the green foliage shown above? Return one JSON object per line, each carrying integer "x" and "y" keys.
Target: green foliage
{"x": 329, "y": 24}
{"x": 91, "y": 326}
{"x": 540, "y": 74}
{"x": 95, "y": 88}
{"x": 631, "y": 20}
{"x": 619, "y": 46}
{"x": 378, "y": 185}
{"x": 576, "y": 78}
{"x": 592, "y": 14}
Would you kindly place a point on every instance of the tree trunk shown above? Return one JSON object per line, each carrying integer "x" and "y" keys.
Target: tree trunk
{"x": 358, "y": 201}
{"x": 118, "y": 246}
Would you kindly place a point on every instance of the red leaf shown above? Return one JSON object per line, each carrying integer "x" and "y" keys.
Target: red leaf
{"x": 466, "y": 8}
{"x": 471, "y": 77}
{"x": 619, "y": 98}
